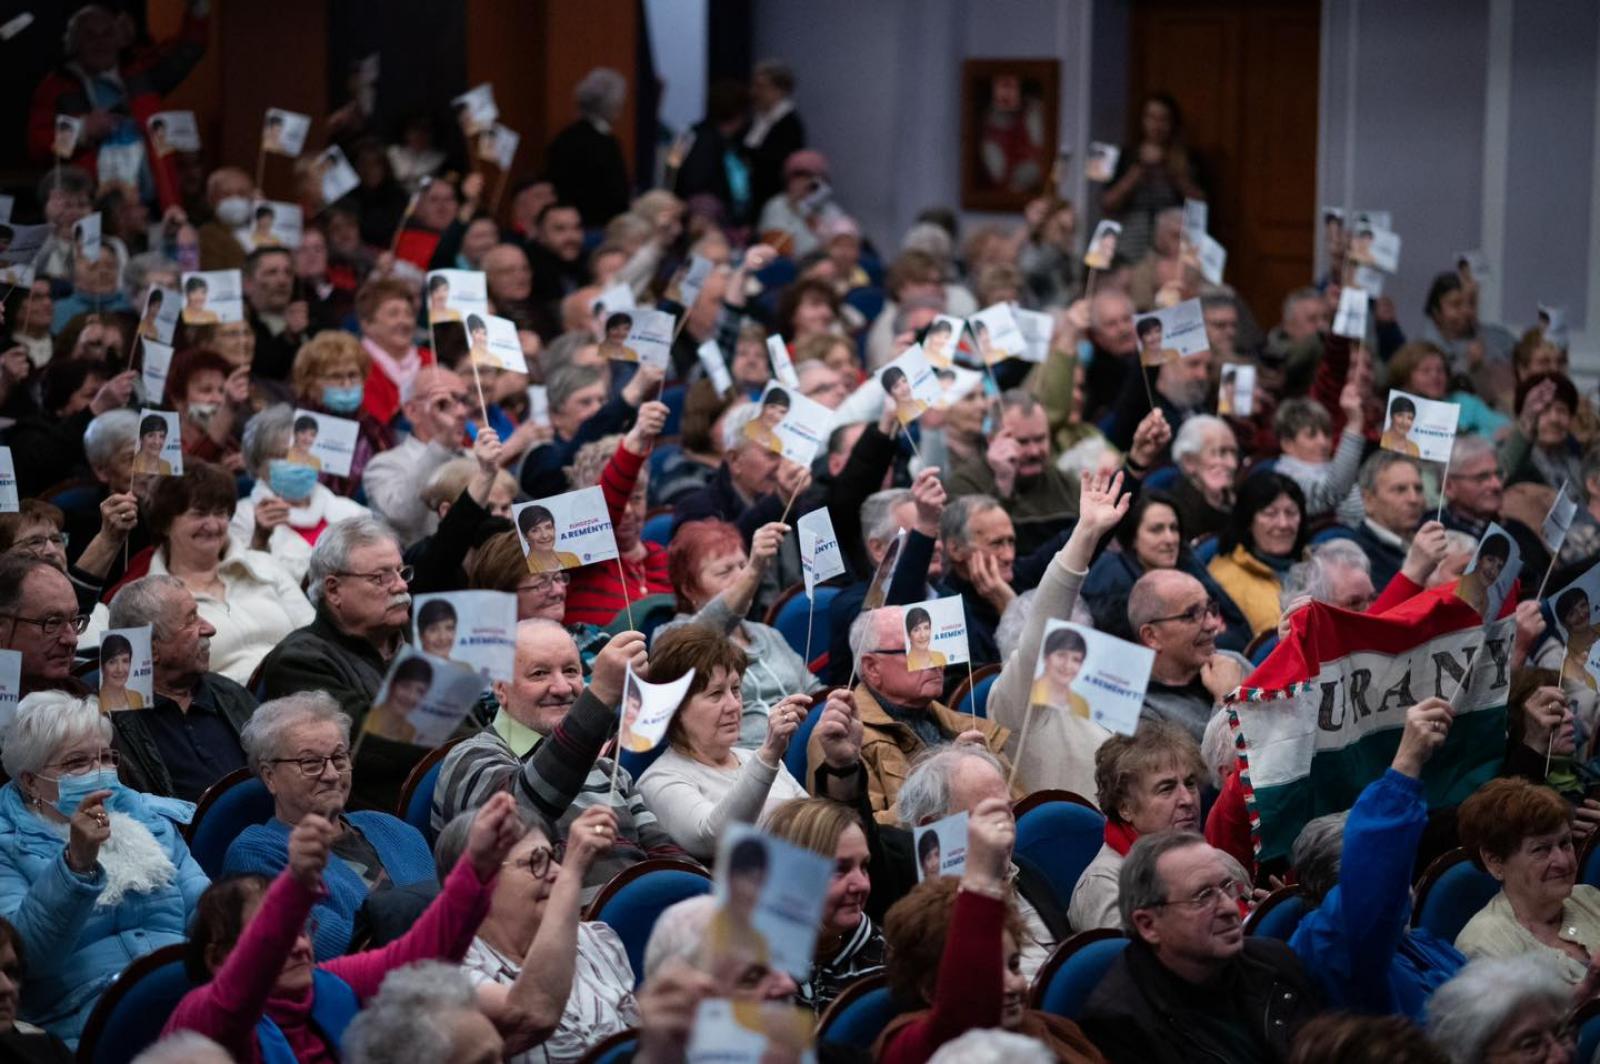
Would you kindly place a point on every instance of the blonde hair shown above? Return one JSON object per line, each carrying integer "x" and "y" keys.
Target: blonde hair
{"x": 816, "y": 348}
{"x": 815, "y": 824}
{"x": 451, "y": 479}
{"x": 318, "y": 355}
{"x": 590, "y": 461}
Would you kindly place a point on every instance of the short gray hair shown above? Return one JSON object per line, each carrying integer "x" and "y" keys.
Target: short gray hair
{"x": 267, "y": 436}
{"x": 136, "y": 275}
{"x": 1467, "y": 449}
{"x": 452, "y": 840}
{"x": 184, "y": 1047}
{"x": 44, "y": 722}
{"x": 1191, "y": 438}
{"x": 404, "y": 1021}
{"x": 565, "y": 381}
{"x": 877, "y": 514}
{"x": 331, "y": 555}
{"x": 989, "y": 1045}
{"x": 109, "y": 435}
{"x": 1377, "y": 462}
{"x": 263, "y": 733}
{"x": 1314, "y": 576}
{"x": 679, "y": 932}
{"x": 1467, "y": 1012}
{"x": 1018, "y": 399}
{"x": 958, "y": 513}
{"x": 925, "y": 793}
{"x": 1299, "y": 295}
{"x": 1316, "y": 854}
{"x": 1217, "y": 746}
{"x": 601, "y": 93}
{"x": 1139, "y": 884}
{"x": 144, "y": 601}
{"x": 561, "y": 351}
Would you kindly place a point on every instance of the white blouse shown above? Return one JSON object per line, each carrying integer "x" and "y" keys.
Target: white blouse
{"x": 601, "y": 1002}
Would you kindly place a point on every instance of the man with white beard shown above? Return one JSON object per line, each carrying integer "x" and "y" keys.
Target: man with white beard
{"x": 1180, "y": 387}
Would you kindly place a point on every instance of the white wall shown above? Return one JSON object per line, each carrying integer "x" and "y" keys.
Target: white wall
{"x": 879, "y": 85}
{"x": 678, "y": 45}
{"x": 1475, "y": 123}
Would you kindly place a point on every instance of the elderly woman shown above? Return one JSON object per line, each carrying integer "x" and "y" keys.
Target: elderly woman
{"x": 261, "y": 992}
{"x": 1151, "y": 536}
{"x": 1422, "y": 369}
{"x": 300, "y": 747}
{"x": 287, "y": 509}
{"x": 499, "y": 565}
{"x": 849, "y": 945}
{"x": 715, "y": 583}
{"x": 1504, "y": 1009}
{"x": 1521, "y": 834}
{"x": 387, "y": 311}
{"x": 92, "y": 875}
{"x": 1145, "y": 782}
{"x": 1207, "y": 455}
{"x": 24, "y": 1043}
{"x": 601, "y": 592}
{"x": 210, "y": 396}
{"x": 1265, "y": 536}
{"x": 955, "y": 956}
{"x": 580, "y": 414}
{"x": 1542, "y": 448}
{"x": 534, "y": 958}
{"x": 248, "y": 596}
{"x": 329, "y": 377}
{"x": 704, "y": 781}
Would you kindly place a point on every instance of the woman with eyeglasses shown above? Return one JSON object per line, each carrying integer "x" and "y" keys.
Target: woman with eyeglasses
{"x": 262, "y": 995}
{"x": 554, "y": 984}
{"x": 92, "y": 874}
{"x": 248, "y": 596}
{"x": 299, "y": 746}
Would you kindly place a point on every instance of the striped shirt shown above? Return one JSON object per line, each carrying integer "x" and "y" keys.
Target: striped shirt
{"x": 561, "y": 777}
{"x": 861, "y": 956}
{"x": 597, "y": 594}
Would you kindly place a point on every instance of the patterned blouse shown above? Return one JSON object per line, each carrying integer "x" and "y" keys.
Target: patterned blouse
{"x": 601, "y": 1002}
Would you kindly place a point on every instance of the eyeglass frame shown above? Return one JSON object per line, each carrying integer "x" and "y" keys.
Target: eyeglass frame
{"x": 550, "y": 580}
{"x": 33, "y": 543}
{"x": 322, "y": 762}
{"x": 100, "y": 760}
{"x": 51, "y": 626}
{"x": 1230, "y": 888}
{"x": 552, "y": 854}
{"x": 380, "y": 578}
{"x": 1211, "y": 608}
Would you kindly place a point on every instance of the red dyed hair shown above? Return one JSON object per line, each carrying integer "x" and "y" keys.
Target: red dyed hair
{"x": 692, "y": 544}
{"x": 188, "y": 363}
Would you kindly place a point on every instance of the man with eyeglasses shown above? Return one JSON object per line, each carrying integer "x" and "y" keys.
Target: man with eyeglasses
{"x": 436, "y": 406}
{"x": 39, "y": 619}
{"x": 1171, "y": 612}
{"x": 1190, "y": 985}
{"x": 358, "y": 582}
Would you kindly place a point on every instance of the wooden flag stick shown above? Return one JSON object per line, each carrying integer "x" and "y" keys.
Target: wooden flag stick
{"x": 627, "y": 600}
{"x": 972, "y": 688}
{"x": 811, "y": 611}
{"x": 1446, "y": 476}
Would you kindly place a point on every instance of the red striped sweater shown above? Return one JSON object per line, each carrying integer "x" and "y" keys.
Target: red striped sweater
{"x": 596, "y": 594}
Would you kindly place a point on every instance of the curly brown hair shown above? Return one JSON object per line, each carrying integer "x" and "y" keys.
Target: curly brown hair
{"x": 1503, "y": 812}
{"x": 1122, "y": 760}
{"x": 914, "y": 931}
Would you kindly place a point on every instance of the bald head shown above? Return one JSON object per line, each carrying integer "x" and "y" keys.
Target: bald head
{"x": 436, "y": 405}
{"x": 1111, "y": 322}
{"x": 1155, "y": 592}
{"x": 506, "y": 271}
{"x": 1172, "y": 613}
{"x": 546, "y": 679}
{"x": 227, "y": 181}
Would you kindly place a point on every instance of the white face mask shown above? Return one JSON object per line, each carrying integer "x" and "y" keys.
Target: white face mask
{"x": 202, "y": 413}
{"x": 233, "y": 211}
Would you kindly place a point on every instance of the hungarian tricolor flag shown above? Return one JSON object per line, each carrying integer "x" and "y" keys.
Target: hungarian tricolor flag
{"x": 1321, "y": 717}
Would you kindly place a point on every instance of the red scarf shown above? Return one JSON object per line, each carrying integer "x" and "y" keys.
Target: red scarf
{"x": 1120, "y": 837}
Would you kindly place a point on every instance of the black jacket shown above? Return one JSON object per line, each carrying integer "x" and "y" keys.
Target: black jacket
{"x": 140, "y": 765}
{"x": 588, "y": 171}
{"x": 1386, "y": 558}
{"x": 787, "y": 136}
{"x": 1143, "y": 1014}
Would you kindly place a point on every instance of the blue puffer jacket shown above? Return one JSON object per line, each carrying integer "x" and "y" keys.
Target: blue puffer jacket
{"x": 1361, "y": 927}
{"x": 263, "y": 849}
{"x": 76, "y": 947}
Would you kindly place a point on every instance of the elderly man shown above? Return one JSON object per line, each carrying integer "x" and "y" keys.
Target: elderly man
{"x": 424, "y": 1013}
{"x": 980, "y": 554}
{"x": 1115, "y": 356}
{"x": 1016, "y": 469}
{"x": 1190, "y": 985}
{"x": 1356, "y": 869}
{"x": 189, "y": 738}
{"x": 1391, "y": 492}
{"x": 357, "y": 581}
{"x": 955, "y": 779}
{"x": 1473, "y": 488}
{"x": 280, "y": 322}
{"x": 39, "y": 619}
{"x": 300, "y": 747}
{"x": 1170, "y": 612}
{"x": 509, "y": 279}
{"x": 436, "y": 406}
{"x": 1180, "y": 388}
{"x": 229, "y": 191}
{"x": 544, "y": 746}
{"x": 748, "y": 474}
{"x": 1207, "y": 455}
{"x": 584, "y": 161}
{"x": 899, "y": 711}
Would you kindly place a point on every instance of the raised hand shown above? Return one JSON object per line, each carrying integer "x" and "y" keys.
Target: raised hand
{"x": 646, "y": 427}
{"x": 487, "y": 449}
{"x": 494, "y": 831}
{"x": 929, "y": 495}
{"x": 1150, "y": 439}
{"x": 591, "y": 834}
{"x": 119, "y": 513}
{"x": 310, "y": 843}
{"x": 984, "y": 571}
{"x": 1002, "y": 456}
{"x": 1101, "y": 502}
{"x": 839, "y": 731}
{"x": 782, "y": 721}
{"x": 611, "y": 665}
{"x": 1427, "y": 551}
{"x": 991, "y": 834}
{"x": 765, "y": 543}
{"x": 87, "y": 831}
{"x": 1427, "y": 726}
{"x": 643, "y": 383}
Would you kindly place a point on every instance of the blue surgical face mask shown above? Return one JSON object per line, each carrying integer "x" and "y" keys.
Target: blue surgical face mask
{"x": 290, "y": 480}
{"x": 342, "y": 400}
{"x": 72, "y": 790}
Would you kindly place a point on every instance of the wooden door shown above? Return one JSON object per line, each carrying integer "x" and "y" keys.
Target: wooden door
{"x": 1245, "y": 73}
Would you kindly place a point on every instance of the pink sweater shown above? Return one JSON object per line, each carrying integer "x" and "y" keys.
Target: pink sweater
{"x": 228, "y": 1008}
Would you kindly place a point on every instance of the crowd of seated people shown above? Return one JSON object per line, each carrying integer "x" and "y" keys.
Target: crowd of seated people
{"x": 279, "y": 599}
